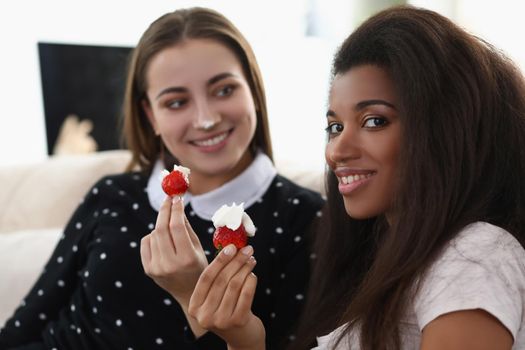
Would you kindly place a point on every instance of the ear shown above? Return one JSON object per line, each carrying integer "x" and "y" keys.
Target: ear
{"x": 149, "y": 113}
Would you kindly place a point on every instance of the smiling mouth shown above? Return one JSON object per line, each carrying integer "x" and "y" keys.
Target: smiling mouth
{"x": 347, "y": 180}
{"x": 212, "y": 141}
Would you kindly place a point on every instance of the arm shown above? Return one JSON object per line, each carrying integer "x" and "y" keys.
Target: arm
{"x": 464, "y": 330}
{"x": 472, "y": 296}
{"x": 173, "y": 257}
{"x": 222, "y": 299}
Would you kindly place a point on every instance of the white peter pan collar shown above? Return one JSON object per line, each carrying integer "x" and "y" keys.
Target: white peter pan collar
{"x": 246, "y": 188}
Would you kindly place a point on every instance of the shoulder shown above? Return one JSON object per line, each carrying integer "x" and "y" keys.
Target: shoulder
{"x": 292, "y": 200}
{"x": 288, "y": 206}
{"x": 483, "y": 267}
{"x": 483, "y": 243}
{"x": 125, "y": 180}
{"x": 121, "y": 186}
{"x": 295, "y": 193}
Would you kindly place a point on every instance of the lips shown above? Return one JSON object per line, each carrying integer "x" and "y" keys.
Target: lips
{"x": 213, "y": 140}
{"x": 350, "y": 180}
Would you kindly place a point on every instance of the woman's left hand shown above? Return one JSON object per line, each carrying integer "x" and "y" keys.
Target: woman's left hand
{"x": 223, "y": 298}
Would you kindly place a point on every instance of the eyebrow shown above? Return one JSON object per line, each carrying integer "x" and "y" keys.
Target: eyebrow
{"x": 211, "y": 81}
{"x": 364, "y": 104}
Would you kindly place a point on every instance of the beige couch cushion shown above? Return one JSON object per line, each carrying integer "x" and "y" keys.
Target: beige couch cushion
{"x": 22, "y": 257}
{"x": 45, "y": 194}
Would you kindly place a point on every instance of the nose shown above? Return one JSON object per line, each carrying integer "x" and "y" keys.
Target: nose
{"x": 343, "y": 147}
{"x": 206, "y": 118}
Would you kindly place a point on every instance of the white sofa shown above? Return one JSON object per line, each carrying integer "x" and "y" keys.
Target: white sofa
{"x": 36, "y": 200}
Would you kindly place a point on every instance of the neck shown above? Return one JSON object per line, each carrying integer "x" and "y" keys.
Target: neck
{"x": 205, "y": 182}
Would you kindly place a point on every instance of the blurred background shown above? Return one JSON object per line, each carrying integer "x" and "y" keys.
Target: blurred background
{"x": 67, "y": 58}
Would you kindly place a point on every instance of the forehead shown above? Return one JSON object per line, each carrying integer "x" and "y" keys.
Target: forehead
{"x": 190, "y": 60}
{"x": 362, "y": 83}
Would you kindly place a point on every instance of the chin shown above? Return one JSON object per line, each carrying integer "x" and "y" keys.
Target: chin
{"x": 357, "y": 212}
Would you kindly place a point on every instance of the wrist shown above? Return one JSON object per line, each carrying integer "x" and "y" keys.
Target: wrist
{"x": 195, "y": 328}
{"x": 183, "y": 302}
{"x": 252, "y": 336}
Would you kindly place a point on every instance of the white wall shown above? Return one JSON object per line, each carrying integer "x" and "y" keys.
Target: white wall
{"x": 295, "y": 67}
{"x": 498, "y": 22}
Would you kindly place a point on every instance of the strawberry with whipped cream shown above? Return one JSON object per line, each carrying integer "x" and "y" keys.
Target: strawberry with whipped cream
{"x": 232, "y": 226}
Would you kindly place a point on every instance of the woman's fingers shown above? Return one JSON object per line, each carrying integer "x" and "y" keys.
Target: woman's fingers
{"x": 193, "y": 236}
{"x": 162, "y": 244}
{"x": 233, "y": 292}
{"x": 179, "y": 228}
{"x": 157, "y": 248}
{"x": 212, "y": 285}
{"x": 145, "y": 253}
{"x": 244, "y": 303}
{"x": 208, "y": 276}
{"x": 170, "y": 257}
{"x": 170, "y": 239}
{"x": 164, "y": 214}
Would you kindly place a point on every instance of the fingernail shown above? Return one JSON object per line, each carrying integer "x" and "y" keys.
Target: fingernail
{"x": 229, "y": 250}
{"x": 176, "y": 199}
{"x": 248, "y": 250}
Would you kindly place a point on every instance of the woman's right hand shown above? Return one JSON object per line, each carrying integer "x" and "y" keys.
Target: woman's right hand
{"x": 223, "y": 296}
{"x": 172, "y": 254}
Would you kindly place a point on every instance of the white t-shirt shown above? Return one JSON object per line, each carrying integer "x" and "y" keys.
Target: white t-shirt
{"x": 482, "y": 268}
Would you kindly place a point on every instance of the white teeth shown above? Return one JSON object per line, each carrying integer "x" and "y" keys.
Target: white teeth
{"x": 349, "y": 179}
{"x": 212, "y": 141}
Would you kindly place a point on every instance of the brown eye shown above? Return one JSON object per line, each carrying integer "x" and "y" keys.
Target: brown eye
{"x": 375, "y": 122}
{"x": 176, "y": 104}
{"x": 334, "y": 128}
{"x": 225, "y": 91}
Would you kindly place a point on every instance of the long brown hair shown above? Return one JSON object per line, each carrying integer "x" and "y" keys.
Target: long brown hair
{"x": 462, "y": 160}
{"x": 167, "y": 31}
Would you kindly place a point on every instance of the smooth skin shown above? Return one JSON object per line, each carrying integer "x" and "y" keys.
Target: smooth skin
{"x": 469, "y": 330}
{"x": 194, "y": 83}
{"x": 364, "y": 137}
{"x": 364, "y": 134}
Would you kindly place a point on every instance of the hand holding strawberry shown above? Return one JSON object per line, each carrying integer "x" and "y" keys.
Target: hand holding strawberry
{"x": 175, "y": 183}
{"x": 232, "y": 226}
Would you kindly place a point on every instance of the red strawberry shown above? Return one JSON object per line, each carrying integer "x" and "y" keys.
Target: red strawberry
{"x": 174, "y": 183}
{"x": 224, "y": 236}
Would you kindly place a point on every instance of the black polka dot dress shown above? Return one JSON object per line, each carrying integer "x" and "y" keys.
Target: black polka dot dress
{"x": 93, "y": 293}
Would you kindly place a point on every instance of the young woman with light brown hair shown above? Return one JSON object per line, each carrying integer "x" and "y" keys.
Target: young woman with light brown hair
{"x": 194, "y": 97}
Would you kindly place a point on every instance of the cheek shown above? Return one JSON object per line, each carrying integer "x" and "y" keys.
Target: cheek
{"x": 390, "y": 171}
{"x": 172, "y": 128}
{"x": 244, "y": 113}
{"x": 328, "y": 154}
{"x": 252, "y": 125}
{"x": 243, "y": 104}
{"x": 393, "y": 159}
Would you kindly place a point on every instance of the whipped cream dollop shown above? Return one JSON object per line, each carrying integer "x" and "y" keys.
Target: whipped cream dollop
{"x": 232, "y": 217}
{"x": 183, "y": 170}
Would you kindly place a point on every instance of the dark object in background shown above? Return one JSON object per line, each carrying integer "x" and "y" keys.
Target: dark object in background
{"x": 87, "y": 81}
